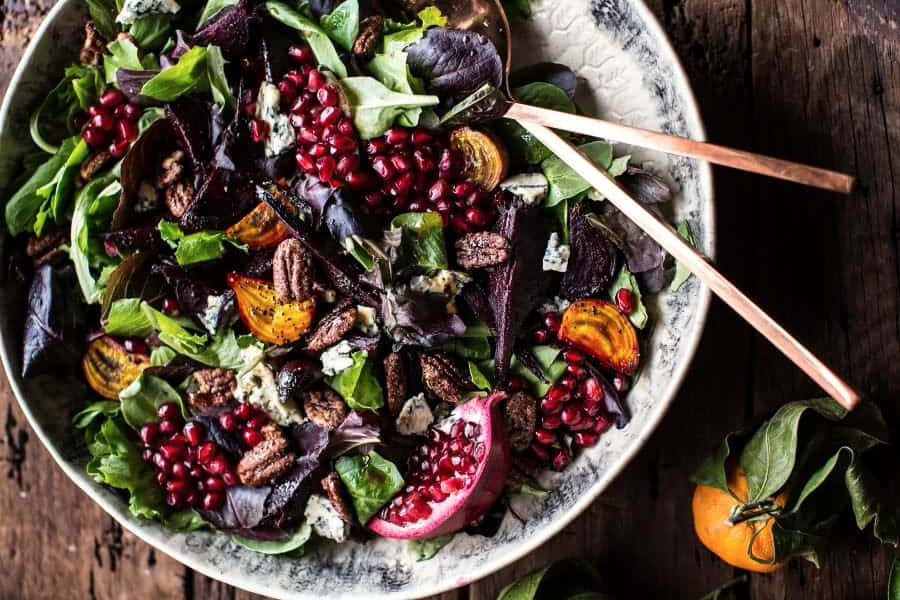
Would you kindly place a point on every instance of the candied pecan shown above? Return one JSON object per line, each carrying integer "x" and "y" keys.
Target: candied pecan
{"x": 521, "y": 420}
{"x": 324, "y": 408}
{"x": 395, "y": 381}
{"x": 170, "y": 170}
{"x": 292, "y": 270}
{"x": 179, "y": 197}
{"x": 371, "y": 30}
{"x": 94, "y": 46}
{"x": 45, "y": 249}
{"x": 215, "y": 387}
{"x": 266, "y": 461}
{"x": 443, "y": 377}
{"x": 483, "y": 249}
{"x": 333, "y": 327}
{"x": 93, "y": 164}
{"x": 337, "y": 494}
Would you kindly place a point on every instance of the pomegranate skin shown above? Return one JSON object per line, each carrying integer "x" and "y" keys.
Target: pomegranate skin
{"x": 468, "y": 505}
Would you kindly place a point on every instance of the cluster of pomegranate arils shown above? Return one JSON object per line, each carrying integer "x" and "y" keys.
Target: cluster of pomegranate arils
{"x": 247, "y": 419}
{"x": 444, "y": 465}
{"x": 192, "y": 469}
{"x": 418, "y": 172}
{"x": 113, "y": 121}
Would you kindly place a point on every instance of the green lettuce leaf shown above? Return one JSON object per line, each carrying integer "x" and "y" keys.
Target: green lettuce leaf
{"x": 141, "y": 400}
{"x": 371, "y": 482}
{"x": 551, "y": 364}
{"x": 342, "y": 24}
{"x": 523, "y": 147}
{"x": 223, "y": 350}
{"x": 101, "y": 408}
{"x": 292, "y": 543}
{"x": 218, "y": 82}
{"x": 423, "y": 240}
{"x": 123, "y": 54}
{"x": 682, "y": 273}
{"x": 316, "y": 37}
{"x": 94, "y": 207}
{"x": 422, "y": 550}
{"x": 152, "y": 31}
{"x": 212, "y": 8}
{"x": 127, "y": 319}
{"x": 22, "y": 208}
{"x": 626, "y": 280}
{"x": 375, "y": 107}
{"x": 195, "y": 247}
{"x": 358, "y": 385}
{"x": 187, "y": 76}
{"x": 566, "y": 183}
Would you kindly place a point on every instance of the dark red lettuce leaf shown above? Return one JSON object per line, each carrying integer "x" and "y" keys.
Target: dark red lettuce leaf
{"x": 131, "y": 82}
{"x": 231, "y": 29}
{"x": 516, "y": 286}
{"x": 53, "y": 338}
{"x": 455, "y": 63}
{"x": 646, "y": 187}
{"x": 183, "y": 43}
{"x": 191, "y": 122}
{"x": 144, "y": 238}
{"x": 611, "y": 400}
{"x": 418, "y": 319}
{"x": 354, "y": 434}
{"x": 141, "y": 164}
{"x": 474, "y": 303}
{"x": 594, "y": 259}
{"x": 244, "y": 508}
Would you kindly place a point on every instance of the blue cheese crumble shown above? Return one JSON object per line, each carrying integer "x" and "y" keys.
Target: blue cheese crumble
{"x": 324, "y": 519}
{"x": 556, "y": 256}
{"x": 530, "y": 188}
{"x": 337, "y": 358}
{"x": 281, "y": 134}
{"x": 256, "y": 386}
{"x": 132, "y": 9}
{"x": 444, "y": 282}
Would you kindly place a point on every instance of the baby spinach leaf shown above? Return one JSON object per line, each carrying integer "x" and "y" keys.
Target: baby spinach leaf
{"x": 682, "y": 273}
{"x": 184, "y": 521}
{"x": 318, "y": 40}
{"x": 371, "y": 481}
{"x": 374, "y": 107}
{"x": 626, "y": 280}
{"x": 188, "y": 75}
{"x": 141, "y": 400}
{"x": 422, "y": 550}
{"x": 422, "y": 240}
{"x": 212, "y": 8}
{"x": 87, "y": 83}
{"x": 524, "y": 147}
{"x": 218, "y": 82}
{"x": 126, "y": 319}
{"x": 358, "y": 385}
{"x": 101, "y": 408}
{"x": 291, "y": 543}
{"x": 566, "y": 183}
{"x": 342, "y": 24}
{"x": 103, "y": 14}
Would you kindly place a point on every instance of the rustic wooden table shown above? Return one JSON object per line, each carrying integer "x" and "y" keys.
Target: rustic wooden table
{"x": 811, "y": 80}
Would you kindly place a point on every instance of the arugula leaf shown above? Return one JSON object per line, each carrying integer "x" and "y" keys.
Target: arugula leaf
{"x": 682, "y": 273}
{"x": 94, "y": 207}
{"x": 422, "y": 550}
{"x": 101, "y": 408}
{"x": 188, "y": 75}
{"x": 24, "y": 205}
{"x": 374, "y": 107}
{"x": 141, "y": 400}
{"x": 123, "y": 54}
{"x": 566, "y": 183}
{"x": 371, "y": 481}
{"x": 422, "y": 240}
{"x": 293, "y": 542}
{"x": 358, "y": 385}
{"x": 626, "y": 280}
{"x": 218, "y": 82}
{"x": 212, "y": 8}
{"x": 126, "y": 319}
{"x": 152, "y": 31}
{"x": 342, "y": 24}
{"x": 552, "y": 366}
{"x": 524, "y": 147}
{"x": 318, "y": 40}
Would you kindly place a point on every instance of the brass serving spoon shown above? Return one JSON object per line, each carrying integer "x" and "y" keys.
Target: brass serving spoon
{"x": 488, "y": 17}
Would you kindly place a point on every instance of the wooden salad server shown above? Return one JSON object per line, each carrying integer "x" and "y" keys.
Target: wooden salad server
{"x": 489, "y": 18}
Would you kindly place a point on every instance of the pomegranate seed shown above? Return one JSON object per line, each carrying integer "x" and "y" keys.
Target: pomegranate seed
{"x": 228, "y": 421}
{"x": 103, "y": 120}
{"x": 621, "y": 382}
{"x": 383, "y": 167}
{"x": 374, "y": 199}
{"x": 79, "y": 121}
{"x": 358, "y": 179}
{"x": 602, "y": 424}
{"x": 132, "y": 112}
{"x": 343, "y": 143}
{"x": 477, "y": 217}
{"x": 161, "y": 478}
{"x": 136, "y": 346}
{"x": 318, "y": 150}
{"x": 440, "y": 189}
{"x": 626, "y": 301}
{"x": 161, "y": 463}
{"x": 545, "y": 437}
{"x": 149, "y": 433}
{"x": 259, "y": 130}
{"x": 306, "y": 162}
{"x": 314, "y": 81}
{"x": 561, "y": 460}
{"x": 193, "y": 500}
{"x": 119, "y": 148}
{"x": 540, "y": 336}
{"x": 326, "y": 166}
{"x": 459, "y": 223}
{"x": 172, "y": 452}
{"x": 576, "y": 371}
{"x": 147, "y": 454}
{"x": 169, "y": 411}
{"x": 168, "y": 427}
{"x": 330, "y": 116}
{"x": 420, "y": 138}
{"x": 214, "y": 484}
{"x": 179, "y": 471}
{"x": 251, "y": 437}
{"x": 559, "y": 394}
{"x": 567, "y": 382}
{"x": 288, "y": 92}
{"x": 301, "y": 104}
{"x": 174, "y": 500}
{"x": 401, "y": 163}
{"x": 442, "y": 206}
{"x": 111, "y": 98}
{"x": 310, "y": 134}
{"x": 95, "y": 109}
{"x": 396, "y": 136}
{"x": 417, "y": 207}
{"x": 551, "y": 422}
{"x": 552, "y": 321}
{"x": 301, "y": 54}
{"x": 194, "y": 432}
{"x": 586, "y": 439}
{"x": 245, "y": 411}
{"x": 94, "y": 136}
{"x": 249, "y": 109}
{"x": 207, "y": 452}
{"x": 197, "y": 473}
{"x": 170, "y": 306}
{"x": 550, "y": 406}
{"x": 258, "y": 421}
{"x": 571, "y": 415}
{"x": 540, "y": 451}
{"x": 584, "y": 424}
{"x": 217, "y": 466}
{"x": 230, "y": 479}
{"x": 127, "y": 130}
{"x": 516, "y": 383}
{"x": 347, "y": 164}
{"x": 213, "y": 501}
{"x": 573, "y": 356}
{"x": 346, "y": 127}
{"x": 327, "y": 96}
{"x": 463, "y": 189}
{"x": 402, "y": 184}
{"x": 179, "y": 439}
{"x": 592, "y": 391}
{"x": 328, "y": 133}
{"x": 119, "y": 111}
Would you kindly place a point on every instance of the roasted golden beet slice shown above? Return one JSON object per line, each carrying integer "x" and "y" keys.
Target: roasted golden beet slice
{"x": 109, "y": 368}
{"x": 260, "y": 228}
{"x": 485, "y": 158}
{"x": 602, "y": 330}
{"x": 270, "y": 319}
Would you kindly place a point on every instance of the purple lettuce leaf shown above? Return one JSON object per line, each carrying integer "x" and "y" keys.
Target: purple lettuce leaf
{"x": 230, "y": 29}
{"x": 183, "y": 43}
{"x": 594, "y": 259}
{"x": 646, "y": 187}
{"x": 227, "y": 440}
{"x": 244, "y": 508}
{"x": 354, "y": 434}
{"x": 455, "y": 62}
{"x": 144, "y": 238}
{"x": 131, "y": 82}
{"x": 419, "y": 319}
{"x": 54, "y": 326}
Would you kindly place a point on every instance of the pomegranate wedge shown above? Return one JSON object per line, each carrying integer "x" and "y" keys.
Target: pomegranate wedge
{"x": 455, "y": 477}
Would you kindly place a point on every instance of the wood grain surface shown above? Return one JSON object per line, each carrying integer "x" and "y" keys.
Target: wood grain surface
{"x": 815, "y": 81}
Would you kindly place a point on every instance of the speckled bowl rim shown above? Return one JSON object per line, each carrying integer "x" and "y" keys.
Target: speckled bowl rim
{"x": 698, "y": 323}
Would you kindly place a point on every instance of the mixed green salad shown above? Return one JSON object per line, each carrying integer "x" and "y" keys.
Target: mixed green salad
{"x": 314, "y": 290}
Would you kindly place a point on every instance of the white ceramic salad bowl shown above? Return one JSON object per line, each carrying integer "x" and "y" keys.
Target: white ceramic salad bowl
{"x": 628, "y": 73}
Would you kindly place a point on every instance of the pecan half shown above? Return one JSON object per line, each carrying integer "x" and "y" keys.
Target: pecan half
{"x": 266, "y": 461}
{"x": 333, "y": 327}
{"x": 45, "y": 249}
{"x": 371, "y": 30}
{"x": 444, "y": 378}
{"x": 94, "y": 46}
{"x": 324, "y": 408}
{"x": 337, "y": 494}
{"x": 93, "y": 164}
{"x": 170, "y": 170}
{"x": 483, "y": 249}
{"x": 215, "y": 387}
{"x": 395, "y": 382}
{"x": 521, "y": 420}
{"x": 292, "y": 270}
{"x": 179, "y": 196}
